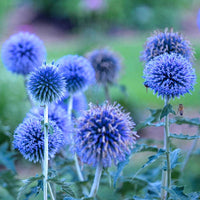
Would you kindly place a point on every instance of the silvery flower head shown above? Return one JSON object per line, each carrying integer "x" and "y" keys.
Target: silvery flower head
{"x": 169, "y": 75}
{"x": 167, "y": 42}
{"x": 106, "y": 65}
{"x": 46, "y": 84}
{"x": 77, "y": 71}
{"x": 29, "y": 139}
{"x": 57, "y": 114}
{"x": 104, "y": 135}
{"x": 23, "y": 52}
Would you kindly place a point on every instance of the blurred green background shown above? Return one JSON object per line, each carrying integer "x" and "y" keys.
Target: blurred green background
{"x": 79, "y": 26}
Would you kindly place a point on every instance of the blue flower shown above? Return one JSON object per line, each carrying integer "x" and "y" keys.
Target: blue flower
{"x": 198, "y": 19}
{"x": 166, "y": 42}
{"x": 46, "y": 84}
{"x": 57, "y": 114}
{"x": 29, "y": 139}
{"x": 169, "y": 75}
{"x": 23, "y": 52}
{"x": 104, "y": 134}
{"x": 106, "y": 65}
{"x": 77, "y": 71}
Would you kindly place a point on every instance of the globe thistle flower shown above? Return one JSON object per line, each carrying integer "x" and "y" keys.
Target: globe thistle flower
{"x": 46, "y": 84}
{"x": 77, "y": 71}
{"x": 29, "y": 139}
{"x": 167, "y": 42}
{"x": 104, "y": 134}
{"x": 23, "y": 52}
{"x": 198, "y": 19}
{"x": 106, "y": 65}
{"x": 169, "y": 75}
{"x": 57, "y": 114}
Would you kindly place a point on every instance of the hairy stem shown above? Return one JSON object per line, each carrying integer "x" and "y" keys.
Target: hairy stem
{"x": 96, "y": 182}
{"x": 51, "y": 192}
{"x": 45, "y": 162}
{"x": 166, "y": 174}
{"x": 107, "y": 94}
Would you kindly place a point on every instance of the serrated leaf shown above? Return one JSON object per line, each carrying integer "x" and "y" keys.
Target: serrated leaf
{"x": 181, "y": 120}
{"x": 7, "y": 157}
{"x": 166, "y": 110}
{"x": 184, "y": 137}
{"x": 143, "y": 147}
{"x": 177, "y": 193}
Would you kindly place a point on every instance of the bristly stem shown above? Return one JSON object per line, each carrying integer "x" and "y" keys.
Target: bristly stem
{"x": 45, "y": 164}
{"x": 166, "y": 174}
{"x": 107, "y": 94}
{"x": 96, "y": 182}
{"x": 51, "y": 192}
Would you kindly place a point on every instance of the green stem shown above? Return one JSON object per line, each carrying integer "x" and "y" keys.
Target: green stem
{"x": 166, "y": 174}
{"x": 45, "y": 162}
{"x": 107, "y": 94}
{"x": 96, "y": 182}
{"x": 51, "y": 192}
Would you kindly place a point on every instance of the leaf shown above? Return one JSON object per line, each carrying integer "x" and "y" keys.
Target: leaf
{"x": 174, "y": 156}
{"x": 27, "y": 183}
{"x": 7, "y": 157}
{"x": 184, "y": 137}
{"x": 166, "y": 110}
{"x": 143, "y": 148}
{"x": 181, "y": 120}
{"x": 176, "y": 193}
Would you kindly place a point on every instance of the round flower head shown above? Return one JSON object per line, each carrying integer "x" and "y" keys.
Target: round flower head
{"x": 23, "y": 52}
{"x": 104, "y": 134}
{"x": 77, "y": 71}
{"x": 46, "y": 84}
{"x": 57, "y": 114}
{"x": 169, "y": 75}
{"x": 166, "y": 42}
{"x": 106, "y": 65}
{"x": 29, "y": 139}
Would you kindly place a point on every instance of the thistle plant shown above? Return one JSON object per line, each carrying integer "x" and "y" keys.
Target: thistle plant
{"x": 104, "y": 136}
{"x": 170, "y": 76}
{"x": 107, "y": 66}
{"x": 46, "y": 85}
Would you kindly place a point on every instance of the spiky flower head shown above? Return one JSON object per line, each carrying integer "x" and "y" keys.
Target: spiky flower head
{"x": 106, "y": 65}
{"x": 104, "y": 135}
{"x": 29, "y": 139}
{"x": 167, "y": 42}
{"x": 57, "y": 114}
{"x": 77, "y": 71}
{"x": 169, "y": 75}
{"x": 23, "y": 52}
{"x": 46, "y": 84}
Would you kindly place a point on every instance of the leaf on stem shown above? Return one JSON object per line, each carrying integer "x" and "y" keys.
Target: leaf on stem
{"x": 166, "y": 110}
{"x": 184, "y": 137}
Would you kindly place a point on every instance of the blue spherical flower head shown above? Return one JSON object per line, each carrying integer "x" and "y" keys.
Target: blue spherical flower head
{"x": 169, "y": 75}
{"x": 46, "y": 84}
{"x": 106, "y": 65}
{"x": 57, "y": 114}
{"x": 77, "y": 71}
{"x": 29, "y": 139}
{"x": 23, "y": 52}
{"x": 167, "y": 42}
{"x": 104, "y": 135}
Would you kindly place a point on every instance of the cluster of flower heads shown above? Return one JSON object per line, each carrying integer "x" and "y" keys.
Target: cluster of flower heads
{"x": 46, "y": 84}
{"x": 29, "y": 139}
{"x": 77, "y": 71}
{"x": 106, "y": 65}
{"x": 23, "y": 52}
{"x": 168, "y": 69}
{"x": 104, "y": 135}
{"x": 167, "y": 42}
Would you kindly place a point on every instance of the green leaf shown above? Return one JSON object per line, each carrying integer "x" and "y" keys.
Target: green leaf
{"x": 7, "y": 157}
{"x": 184, "y": 137}
{"x": 177, "y": 193}
{"x": 143, "y": 148}
{"x": 174, "y": 156}
{"x": 181, "y": 120}
{"x": 166, "y": 110}
{"x": 27, "y": 183}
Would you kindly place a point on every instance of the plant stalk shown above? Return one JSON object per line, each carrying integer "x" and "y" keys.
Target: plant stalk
{"x": 166, "y": 174}
{"x": 45, "y": 162}
{"x": 96, "y": 182}
{"x": 51, "y": 192}
{"x": 107, "y": 94}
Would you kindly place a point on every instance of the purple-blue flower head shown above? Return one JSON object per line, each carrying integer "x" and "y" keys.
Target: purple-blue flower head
{"x": 169, "y": 75}
{"x": 46, "y": 84}
{"x": 167, "y": 42}
{"x": 29, "y": 139}
{"x": 106, "y": 65}
{"x": 198, "y": 19}
{"x": 104, "y": 135}
{"x": 57, "y": 114}
{"x": 77, "y": 71}
{"x": 23, "y": 52}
